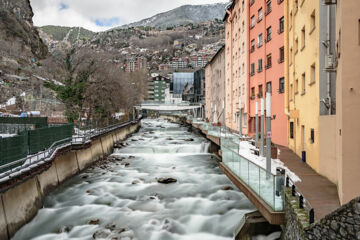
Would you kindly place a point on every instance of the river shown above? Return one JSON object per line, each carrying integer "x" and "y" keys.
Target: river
{"x": 122, "y": 198}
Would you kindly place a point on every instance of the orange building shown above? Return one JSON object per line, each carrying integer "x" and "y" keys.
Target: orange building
{"x": 266, "y": 64}
{"x": 236, "y": 67}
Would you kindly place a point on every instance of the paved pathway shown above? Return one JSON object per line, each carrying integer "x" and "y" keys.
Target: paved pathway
{"x": 318, "y": 190}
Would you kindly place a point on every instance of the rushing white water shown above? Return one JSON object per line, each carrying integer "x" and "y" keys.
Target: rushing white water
{"x": 122, "y": 199}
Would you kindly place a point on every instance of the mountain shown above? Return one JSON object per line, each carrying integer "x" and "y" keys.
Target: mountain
{"x": 71, "y": 34}
{"x": 183, "y": 15}
{"x": 24, "y": 60}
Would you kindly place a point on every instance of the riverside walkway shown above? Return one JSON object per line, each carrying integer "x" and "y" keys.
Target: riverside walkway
{"x": 318, "y": 190}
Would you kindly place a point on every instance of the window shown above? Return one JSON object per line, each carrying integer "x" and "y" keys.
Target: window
{"x": 282, "y": 54}
{"x": 268, "y": 87}
{"x": 252, "y": 49}
{"x": 290, "y": 20}
{"x": 296, "y": 46}
{"x": 243, "y": 26}
{"x": 252, "y": 2}
{"x": 260, "y": 40}
{"x": 291, "y": 92}
{"x": 252, "y": 21}
{"x": 292, "y": 130}
{"x": 243, "y": 5}
{"x": 303, "y": 80}
{"x": 252, "y": 69}
{"x": 268, "y": 61}
{"x": 260, "y": 15}
{"x": 260, "y": 91}
{"x": 313, "y": 22}
{"x": 252, "y": 93}
{"x": 302, "y": 38}
{"x": 243, "y": 68}
{"x": 282, "y": 85}
{"x": 268, "y": 34}
{"x": 268, "y": 7}
{"x": 296, "y": 6}
{"x": 313, "y": 74}
{"x": 312, "y": 135}
{"x": 291, "y": 56}
{"x": 296, "y": 86}
{"x": 260, "y": 67}
{"x": 280, "y": 1}
{"x": 281, "y": 25}
{"x": 243, "y": 47}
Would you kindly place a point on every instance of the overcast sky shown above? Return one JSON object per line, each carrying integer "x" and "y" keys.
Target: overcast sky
{"x": 99, "y": 15}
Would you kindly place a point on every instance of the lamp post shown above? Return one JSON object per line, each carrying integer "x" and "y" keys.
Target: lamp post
{"x": 257, "y": 122}
{"x": 240, "y": 129}
{"x": 268, "y": 132}
{"x": 262, "y": 128}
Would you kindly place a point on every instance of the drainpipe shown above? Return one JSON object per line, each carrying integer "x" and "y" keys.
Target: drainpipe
{"x": 329, "y": 51}
{"x": 230, "y": 20}
{"x": 286, "y": 43}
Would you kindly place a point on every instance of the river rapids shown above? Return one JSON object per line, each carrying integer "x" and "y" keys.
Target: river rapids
{"x": 122, "y": 198}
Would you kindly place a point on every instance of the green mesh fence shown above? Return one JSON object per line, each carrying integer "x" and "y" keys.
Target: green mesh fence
{"x": 13, "y": 148}
{"x": 39, "y": 122}
{"x": 42, "y": 138}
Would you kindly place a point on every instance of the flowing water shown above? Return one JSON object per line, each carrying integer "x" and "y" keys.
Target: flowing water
{"x": 122, "y": 198}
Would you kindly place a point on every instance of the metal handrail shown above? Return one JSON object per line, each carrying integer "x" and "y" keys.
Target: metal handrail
{"x": 58, "y": 145}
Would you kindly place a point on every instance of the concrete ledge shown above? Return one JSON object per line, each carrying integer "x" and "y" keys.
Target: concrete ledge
{"x": 48, "y": 180}
{"x": 276, "y": 218}
{"x": 19, "y": 210}
{"x": 66, "y": 166}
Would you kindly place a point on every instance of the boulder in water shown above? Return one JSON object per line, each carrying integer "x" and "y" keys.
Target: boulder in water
{"x": 169, "y": 139}
{"x": 189, "y": 140}
{"x": 166, "y": 180}
{"x": 227, "y": 188}
{"x": 100, "y": 234}
{"x": 126, "y": 164}
{"x": 94, "y": 221}
{"x": 65, "y": 229}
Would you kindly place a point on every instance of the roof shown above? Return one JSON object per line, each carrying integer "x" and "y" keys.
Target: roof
{"x": 228, "y": 7}
{"x": 216, "y": 54}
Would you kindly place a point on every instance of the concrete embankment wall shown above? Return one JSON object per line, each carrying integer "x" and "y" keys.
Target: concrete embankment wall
{"x": 20, "y": 203}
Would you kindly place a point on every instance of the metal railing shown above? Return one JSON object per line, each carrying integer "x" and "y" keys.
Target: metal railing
{"x": 42, "y": 157}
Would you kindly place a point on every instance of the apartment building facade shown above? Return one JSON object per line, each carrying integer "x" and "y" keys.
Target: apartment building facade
{"x": 157, "y": 87}
{"x": 215, "y": 87}
{"x": 266, "y": 64}
{"x": 310, "y": 28}
{"x": 236, "y": 59}
{"x": 347, "y": 128}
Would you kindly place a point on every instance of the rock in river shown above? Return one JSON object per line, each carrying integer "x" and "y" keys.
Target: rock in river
{"x": 166, "y": 180}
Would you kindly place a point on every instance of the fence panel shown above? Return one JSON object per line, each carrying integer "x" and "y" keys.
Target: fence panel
{"x": 39, "y": 122}
{"x": 13, "y": 148}
{"x": 43, "y": 138}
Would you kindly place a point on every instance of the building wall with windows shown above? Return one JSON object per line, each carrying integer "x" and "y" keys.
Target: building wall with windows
{"x": 180, "y": 79}
{"x": 156, "y": 88}
{"x": 348, "y": 99}
{"x": 236, "y": 56}
{"x": 266, "y": 64}
{"x": 306, "y": 78}
{"x": 215, "y": 87}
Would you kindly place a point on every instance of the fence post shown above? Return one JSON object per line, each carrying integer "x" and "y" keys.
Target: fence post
{"x": 301, "y": 202}
{"x": 311, "y": 216}
{"x": 293, "y": 193}
{"x": 287, "y": 181}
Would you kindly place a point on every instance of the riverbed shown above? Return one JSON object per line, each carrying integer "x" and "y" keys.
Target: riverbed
{"x": 161, "y": 184}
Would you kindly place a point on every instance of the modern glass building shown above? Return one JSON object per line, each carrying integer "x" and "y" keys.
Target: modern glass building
{"x": 180, "y": 80}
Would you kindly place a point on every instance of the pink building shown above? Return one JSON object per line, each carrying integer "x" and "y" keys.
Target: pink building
{"x": 266, "y": 64}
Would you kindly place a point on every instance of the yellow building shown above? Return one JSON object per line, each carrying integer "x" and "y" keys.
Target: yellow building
{"x": 310, "y": 90}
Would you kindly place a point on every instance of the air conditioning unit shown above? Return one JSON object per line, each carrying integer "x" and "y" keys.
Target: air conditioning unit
{"x": 329, "y": 62}
{"x": 329, "y": 2}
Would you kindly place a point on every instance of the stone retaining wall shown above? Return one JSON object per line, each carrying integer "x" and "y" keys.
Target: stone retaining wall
{"x": 344, "y": 223}
{"x": 20, "y": 204}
